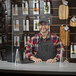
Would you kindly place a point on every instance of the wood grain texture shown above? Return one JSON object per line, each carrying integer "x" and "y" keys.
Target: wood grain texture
{"x": 63, "y": 12}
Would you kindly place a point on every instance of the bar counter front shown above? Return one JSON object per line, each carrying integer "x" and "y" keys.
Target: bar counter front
{"x": 40, "y": 68}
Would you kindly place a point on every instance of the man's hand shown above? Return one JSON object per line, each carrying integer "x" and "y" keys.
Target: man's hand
{"x": 51, "y": 60}
{"x": 35, "y": 59}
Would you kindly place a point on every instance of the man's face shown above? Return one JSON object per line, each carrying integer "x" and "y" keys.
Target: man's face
{"x": 44, "y": 28}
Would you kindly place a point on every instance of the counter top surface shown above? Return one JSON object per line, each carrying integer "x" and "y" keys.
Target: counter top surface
{"x": 39, "y": 67}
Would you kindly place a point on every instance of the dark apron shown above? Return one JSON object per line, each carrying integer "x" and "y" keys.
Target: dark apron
{"x": 46, "y": 49}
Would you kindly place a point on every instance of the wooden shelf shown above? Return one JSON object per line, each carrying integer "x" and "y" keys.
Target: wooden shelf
{"x": 72, "y": 8}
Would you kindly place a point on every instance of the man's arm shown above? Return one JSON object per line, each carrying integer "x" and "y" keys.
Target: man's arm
{"x": 29, "y": 46}
{"x": 29, "y": 50}
{"x": 60, "y": 48}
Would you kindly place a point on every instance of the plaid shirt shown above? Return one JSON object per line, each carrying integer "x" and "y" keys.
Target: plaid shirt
{"x": 32, "y": 45}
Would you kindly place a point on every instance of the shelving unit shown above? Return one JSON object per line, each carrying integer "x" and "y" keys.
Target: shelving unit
{"x": 3, "y": 33}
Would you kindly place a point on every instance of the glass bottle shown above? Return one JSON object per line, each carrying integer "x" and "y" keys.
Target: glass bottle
{"x": 27, "y": 23}
{"x": 35, "y": 7}
{"x": 47, "y": 7}
{"x": 24, "y": 25}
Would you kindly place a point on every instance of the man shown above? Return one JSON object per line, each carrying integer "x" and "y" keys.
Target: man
{"x": 44, "y": 46}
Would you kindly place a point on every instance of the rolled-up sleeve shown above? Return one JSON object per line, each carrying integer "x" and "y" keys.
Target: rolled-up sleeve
{"x": 29, "y": 46}
{"x": 60, "y": 47}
